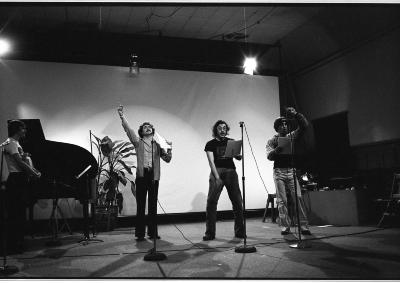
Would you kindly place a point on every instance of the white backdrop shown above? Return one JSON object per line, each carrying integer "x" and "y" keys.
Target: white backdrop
{"x": 71, "y": 99}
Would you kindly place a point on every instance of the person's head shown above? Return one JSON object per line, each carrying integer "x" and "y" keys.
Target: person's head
{"x": 16, "y": 129}
{"x": 146, "y": 129}
{"x": 281, "y": 126}
{"x": 220, "y": 129}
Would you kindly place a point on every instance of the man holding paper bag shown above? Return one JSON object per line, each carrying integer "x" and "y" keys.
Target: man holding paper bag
{"x": 150, "y": 147}
{"x": 279, "y": 150}
{"x": 220, "y": 152}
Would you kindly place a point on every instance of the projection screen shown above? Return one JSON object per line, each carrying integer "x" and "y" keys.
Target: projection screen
{"x": 71, "y": 99}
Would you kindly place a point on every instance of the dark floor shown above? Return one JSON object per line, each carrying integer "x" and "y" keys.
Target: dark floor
{"x": 330, "y": 253}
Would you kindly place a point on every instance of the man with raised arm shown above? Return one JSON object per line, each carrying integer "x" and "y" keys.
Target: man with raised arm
{"x": 284, "y": 169}
{"x": 148, "y": 154}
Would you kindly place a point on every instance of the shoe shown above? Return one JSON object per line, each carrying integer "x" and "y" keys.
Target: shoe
{"x": 140, "y": 239}
{"x": 208, "y": 238}
{"x": 151, "y": 237}
{"x": 285, "y": 231}
{"x": 305, "y": 232}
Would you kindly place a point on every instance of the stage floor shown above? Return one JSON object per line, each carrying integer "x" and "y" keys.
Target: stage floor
{"x": 332, "y": 253}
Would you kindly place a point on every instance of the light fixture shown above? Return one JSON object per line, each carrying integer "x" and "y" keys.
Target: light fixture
{"x": 134, "y": 65}
{"x": 4, "y": 46}
{"x": 250, "y": 64}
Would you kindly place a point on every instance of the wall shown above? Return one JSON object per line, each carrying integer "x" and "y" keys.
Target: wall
{"x": 363, "y": 82}
{"x": 71, "y": 99}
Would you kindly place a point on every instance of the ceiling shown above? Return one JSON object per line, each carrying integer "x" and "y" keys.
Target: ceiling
{"x": 262, "y": 24}
{"x": 212, "y": 37}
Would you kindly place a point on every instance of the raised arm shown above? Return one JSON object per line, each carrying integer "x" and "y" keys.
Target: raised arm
{"x": 300, "y": 118}
{"x": 129, "y": 131}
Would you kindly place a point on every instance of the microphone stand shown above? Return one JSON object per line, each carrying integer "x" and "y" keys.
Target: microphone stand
{"x": 85, "y": 209}
{"x": 5, "y": 269}
{"x": 153, "y": 255}
{"x": 94, "y": 204}
{"x": 300, "y": 244}
{"x": 244, "y": 248}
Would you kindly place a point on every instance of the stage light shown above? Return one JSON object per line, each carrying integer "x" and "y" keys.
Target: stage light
{"x": 4, "y": 47}
{"x": 134, "y": 65}
{"x": 250, "y": 64}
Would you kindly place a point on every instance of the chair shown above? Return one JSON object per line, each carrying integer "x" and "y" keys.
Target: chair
{"x": 393, "y": 203}
{"x": 270, "y": 200}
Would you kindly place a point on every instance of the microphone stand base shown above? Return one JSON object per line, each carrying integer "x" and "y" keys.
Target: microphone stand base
{"x": 8, "y": 269}
{"x": 86, "y": 240}
{"x": 154, "y": 256}
{"x": 53, "y": 243}
{"x": 301, "y": 245}
{"x": 245, "y": 249}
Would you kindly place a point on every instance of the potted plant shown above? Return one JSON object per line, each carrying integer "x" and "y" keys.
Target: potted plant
{"x": 114, "y": 168}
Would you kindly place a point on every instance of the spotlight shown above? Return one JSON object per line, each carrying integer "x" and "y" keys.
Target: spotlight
{"x": 4, "y": 47}
{"x": 133, "y": 64}
{"x": 250, "y": 64}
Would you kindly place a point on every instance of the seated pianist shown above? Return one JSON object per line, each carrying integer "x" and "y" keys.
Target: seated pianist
{"x": 16, "y": 189}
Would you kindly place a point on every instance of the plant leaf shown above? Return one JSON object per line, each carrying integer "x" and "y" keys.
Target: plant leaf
{"x": 133, "y": 188}
{"x": 126, "y": 167}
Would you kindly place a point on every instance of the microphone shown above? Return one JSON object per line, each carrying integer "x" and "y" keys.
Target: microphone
{"x": 241, "y": 124}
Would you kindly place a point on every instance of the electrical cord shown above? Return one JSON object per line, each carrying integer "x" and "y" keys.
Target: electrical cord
{"x": 248, "y": 27}
{"x": 183, "y": 235}
{"x": 255, "y": 160}
{"x": 208, "y": 249}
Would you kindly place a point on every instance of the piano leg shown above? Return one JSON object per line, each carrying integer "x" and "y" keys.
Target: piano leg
{"x": 53, "y": 222}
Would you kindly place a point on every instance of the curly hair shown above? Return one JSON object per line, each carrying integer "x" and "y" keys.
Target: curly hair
{"x": 279, "y": 121}
{"x": 141, "y": 128}
{"x": 214, "y": 128}
{"x": 14, "y": 126}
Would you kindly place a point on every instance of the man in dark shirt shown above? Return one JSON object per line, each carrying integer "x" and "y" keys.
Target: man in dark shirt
{"x": 223, "y": 173}
{"x": 284, "y": 170}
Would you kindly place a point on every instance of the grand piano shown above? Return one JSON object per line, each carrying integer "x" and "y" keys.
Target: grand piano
{"x": 60, "y": 164}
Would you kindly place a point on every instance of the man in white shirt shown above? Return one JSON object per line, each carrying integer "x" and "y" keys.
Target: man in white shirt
{"x": 20, "y": 169}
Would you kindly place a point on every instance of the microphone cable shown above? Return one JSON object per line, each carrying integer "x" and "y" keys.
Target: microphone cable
{"x": 176, "y": 227}
{"x": 255, "y": 160}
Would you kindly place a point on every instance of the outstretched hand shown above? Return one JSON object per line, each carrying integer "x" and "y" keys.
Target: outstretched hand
{"x": 120, "y": 110}
{"x": 291, "y": 112}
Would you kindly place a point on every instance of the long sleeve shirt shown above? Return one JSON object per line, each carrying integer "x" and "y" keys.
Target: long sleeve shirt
{"x": 285, "y": 160}
{"x": 141, "y": 147}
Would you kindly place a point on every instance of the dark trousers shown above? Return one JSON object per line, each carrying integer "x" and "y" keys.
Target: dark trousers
{"x": 15, "y": 209}
{"x": 231, "y": 182}
{"x": 144, "y": 186}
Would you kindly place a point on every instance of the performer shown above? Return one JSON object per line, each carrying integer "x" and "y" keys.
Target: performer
{"x": 283, "y": 170}
{"x": 20, "y": 169}
{"x": 223, "y": 173}
{"x": 147, "y": 169}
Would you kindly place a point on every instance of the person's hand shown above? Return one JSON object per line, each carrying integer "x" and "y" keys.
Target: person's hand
{"x": 238, "y": 157}
{"x": 219, "y": 182}
{"x": 120, "y": 111}
{"x": 37, "y": 174}
{"x": 291, "y": 112}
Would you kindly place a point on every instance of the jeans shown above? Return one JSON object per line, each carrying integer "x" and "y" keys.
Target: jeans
{"x": 230, "y": 180}
{"x": 144, "y": 186}
{"x": 283, "y": 178}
